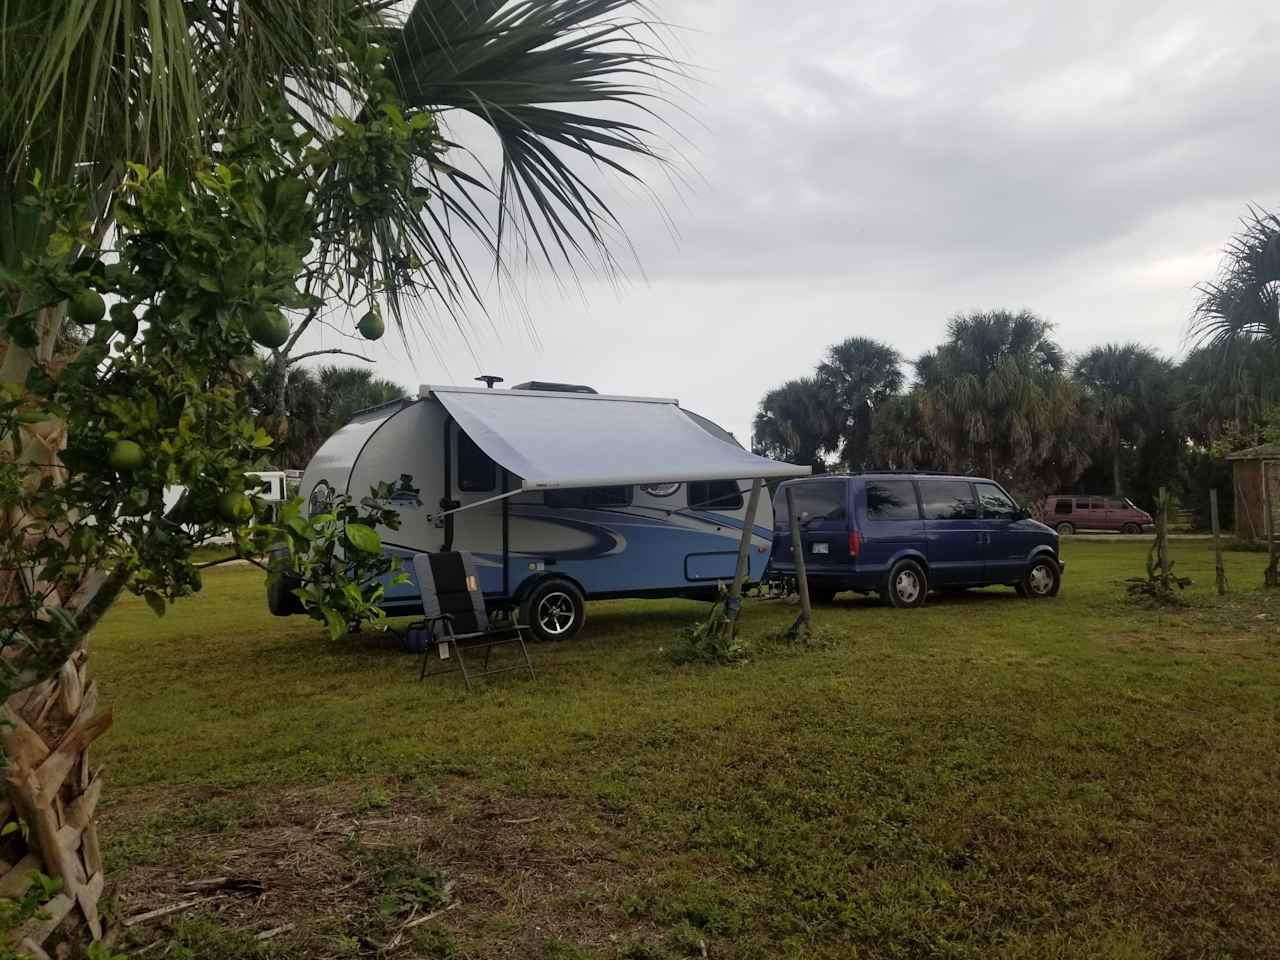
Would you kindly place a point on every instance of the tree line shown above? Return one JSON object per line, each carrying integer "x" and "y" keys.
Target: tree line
{"x": 1000, "y": 397}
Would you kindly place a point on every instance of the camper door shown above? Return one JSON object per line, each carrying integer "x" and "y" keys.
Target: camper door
{"x": 477, "y": 529}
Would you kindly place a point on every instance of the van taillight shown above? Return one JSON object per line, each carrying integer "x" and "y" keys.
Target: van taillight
{"x": 855, "y": 543}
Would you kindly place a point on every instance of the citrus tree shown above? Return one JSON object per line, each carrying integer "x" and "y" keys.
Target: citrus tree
{"x": 185, "y": 184}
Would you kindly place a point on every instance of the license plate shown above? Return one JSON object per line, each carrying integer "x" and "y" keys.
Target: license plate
{"x": 822, "y": 548}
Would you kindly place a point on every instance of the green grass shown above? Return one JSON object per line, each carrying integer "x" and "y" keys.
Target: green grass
{"x": 986, "y": 777}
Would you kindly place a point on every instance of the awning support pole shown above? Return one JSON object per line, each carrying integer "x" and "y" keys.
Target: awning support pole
{"x": 478, "y": 503}
{"x": 734, "y": 603}
{"x": 805, "y": 622}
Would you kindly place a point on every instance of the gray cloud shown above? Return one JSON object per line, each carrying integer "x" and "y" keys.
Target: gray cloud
{"x": 874, "y": 167}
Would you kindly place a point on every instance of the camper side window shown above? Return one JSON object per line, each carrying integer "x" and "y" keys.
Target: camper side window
{"x": 476, "y": 472}
{"x": 589, "y": 497}
{"x": 715, "y": 495}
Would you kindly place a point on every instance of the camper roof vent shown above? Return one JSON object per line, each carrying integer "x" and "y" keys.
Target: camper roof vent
{"x": 554, "y": 387}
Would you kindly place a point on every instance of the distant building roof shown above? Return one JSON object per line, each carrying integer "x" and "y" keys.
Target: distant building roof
{"x": 1266, "y": 451}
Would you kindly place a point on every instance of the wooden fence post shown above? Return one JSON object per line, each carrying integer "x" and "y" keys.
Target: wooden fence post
{"x": 805, "y": 623}
{"x": 1162, "y": 537}
{"x": 744, "y": 553}
{"x": 1219, "y": 569}
{"x": 1272, "y": 577}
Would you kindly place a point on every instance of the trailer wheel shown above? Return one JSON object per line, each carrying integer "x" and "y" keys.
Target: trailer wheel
{"x": 553, "y": 610}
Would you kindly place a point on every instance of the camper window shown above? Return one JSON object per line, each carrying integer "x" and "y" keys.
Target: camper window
{"x": 477, "y": 473}
{"x": 589, "y": 497}
{"x": 715, "y": 495}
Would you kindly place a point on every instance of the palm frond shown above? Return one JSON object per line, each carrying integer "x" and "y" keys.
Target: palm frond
{"x": 517, "y": 67}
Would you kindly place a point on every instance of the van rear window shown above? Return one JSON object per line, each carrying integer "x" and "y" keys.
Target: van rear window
{"x": 892, "y": 500}
{"x": 821, "y": 500}
{"x": 1063, "y": 507}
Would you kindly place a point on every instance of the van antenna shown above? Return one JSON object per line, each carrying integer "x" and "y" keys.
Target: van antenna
{"x": 489, "y": 380}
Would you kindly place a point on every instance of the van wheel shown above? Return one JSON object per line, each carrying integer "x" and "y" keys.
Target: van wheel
{"x": 1132, "y": 529}
{"x": 553, "y": 610}
{"x": 1065, "y": 529}
{"x": 906, "y": 586}
{"x": 1042, "y": 579}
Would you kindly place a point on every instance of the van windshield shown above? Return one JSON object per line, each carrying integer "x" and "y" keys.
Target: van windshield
{"x": 820, "y": 500}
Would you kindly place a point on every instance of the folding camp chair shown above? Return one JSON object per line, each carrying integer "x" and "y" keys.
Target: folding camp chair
{"x": 455, "y": 618}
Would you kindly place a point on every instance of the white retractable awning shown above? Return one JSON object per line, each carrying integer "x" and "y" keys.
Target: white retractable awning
{"x": 566, "y": 440}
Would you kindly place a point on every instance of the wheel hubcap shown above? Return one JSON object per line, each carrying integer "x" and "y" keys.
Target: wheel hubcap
{"x": 907, "y": 586}
{"x": 1041, "y": 579}
{"x": 555, "y": 613}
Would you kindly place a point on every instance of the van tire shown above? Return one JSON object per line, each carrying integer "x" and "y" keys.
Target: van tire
{"x": 907, "y": 585}
{"x": 1131, "y": 529}
{"x": 1066, "y": 529}
{"x": 553, "y": 610}
{"x": 1042, "y": 581}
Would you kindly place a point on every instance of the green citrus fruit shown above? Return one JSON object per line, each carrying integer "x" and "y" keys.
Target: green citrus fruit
{"x": 235, "y": 507}
{"x": 268, "y": 327}
{"x": 86, "y": 308}
{"x": 371, "y": 326}
{"x": 126, "y": 455}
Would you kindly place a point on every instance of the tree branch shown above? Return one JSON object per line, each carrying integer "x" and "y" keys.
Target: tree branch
{"x": 324, "y": 353}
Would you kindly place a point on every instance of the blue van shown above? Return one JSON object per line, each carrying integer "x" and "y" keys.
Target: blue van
{"x": 902, "y": 535}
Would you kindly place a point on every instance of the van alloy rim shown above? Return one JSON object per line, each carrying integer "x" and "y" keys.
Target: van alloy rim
{"x": 907, "y": 585}
{"x": 555, "y": 613}
{"x": 1041, "y": 579}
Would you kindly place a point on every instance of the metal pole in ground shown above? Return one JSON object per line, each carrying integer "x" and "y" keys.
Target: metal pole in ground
{"x": 734, "y": 603}
{"x": 797, "y": 554}
{"x": 1219, "y": 569}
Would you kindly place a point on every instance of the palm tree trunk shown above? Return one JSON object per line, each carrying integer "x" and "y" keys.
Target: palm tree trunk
{"x": 49, "y": 790}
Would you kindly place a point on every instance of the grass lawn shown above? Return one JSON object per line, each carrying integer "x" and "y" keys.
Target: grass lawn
{"x": 987, "y": 777}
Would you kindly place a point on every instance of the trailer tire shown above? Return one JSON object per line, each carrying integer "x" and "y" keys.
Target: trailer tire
{"x": 553, "y": 610}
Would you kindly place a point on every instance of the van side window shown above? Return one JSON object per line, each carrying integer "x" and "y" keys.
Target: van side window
{"x": 1063, "y": 507}
{"x": 948, "y": 500}
{"x": 476, "y": 472}
{"x": 1082, "y": 504}
{"x": 820, "y": 500}
{"x": 892, "y": 500}
{"x": 588, "y": 498}
{"x": 715, "y": 495}
{"x": 1118, "y": 505}
{"x": 995, "y": 505}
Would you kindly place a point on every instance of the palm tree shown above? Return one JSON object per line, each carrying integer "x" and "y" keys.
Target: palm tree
{"x": 993, "y": 398}
{"x": 88, "y": 86}
{"x": 1242, "y": 305}
{"x": 1128, "y": 387}
{"x": 861, "y": 375}
{"x": 795, "y": 423}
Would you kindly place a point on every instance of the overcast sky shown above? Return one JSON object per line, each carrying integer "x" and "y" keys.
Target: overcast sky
{"x": 872, "y": 167}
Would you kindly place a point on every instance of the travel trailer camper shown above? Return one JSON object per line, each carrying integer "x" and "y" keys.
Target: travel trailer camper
{"x": 561, "y": 495}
